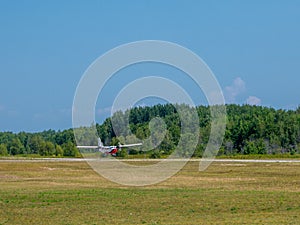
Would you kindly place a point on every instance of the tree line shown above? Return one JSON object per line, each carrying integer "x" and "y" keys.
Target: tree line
{"x": 249, "y": 130}
{"x": 46, "y": 143}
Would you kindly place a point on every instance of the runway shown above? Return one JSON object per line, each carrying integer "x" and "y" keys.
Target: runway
{"x": 16, "y": 160}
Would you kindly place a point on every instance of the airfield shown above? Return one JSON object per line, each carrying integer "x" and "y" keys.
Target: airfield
{"x": 68, "y": 191}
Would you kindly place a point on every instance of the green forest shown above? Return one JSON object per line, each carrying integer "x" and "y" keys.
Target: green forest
{"x": 250, "y": 130}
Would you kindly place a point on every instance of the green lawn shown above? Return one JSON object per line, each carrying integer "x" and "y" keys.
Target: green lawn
{"x": 227, "y": 193}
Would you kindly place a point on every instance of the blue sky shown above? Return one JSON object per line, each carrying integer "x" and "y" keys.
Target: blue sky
{"x": 252, "y": 47}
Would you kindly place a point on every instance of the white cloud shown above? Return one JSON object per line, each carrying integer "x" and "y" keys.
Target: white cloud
{"x": 252, "y": 100}
{"x": 142, "y": 104}
{"x": 65, "y": 111}
{"x": 104, "y": 111}
{"x": 231, "y": 92}
{"x": 52, "y": 115}
{"x": 235, "y": 89}
{"x": 8, "y": 112}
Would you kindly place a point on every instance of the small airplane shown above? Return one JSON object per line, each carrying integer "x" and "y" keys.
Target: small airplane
{"x": 112, "y": 150}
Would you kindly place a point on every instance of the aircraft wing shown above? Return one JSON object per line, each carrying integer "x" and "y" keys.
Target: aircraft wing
{"x": 130, "y": 145}
{"x": 90, "y": 147}
{"x": 105, "y": 147}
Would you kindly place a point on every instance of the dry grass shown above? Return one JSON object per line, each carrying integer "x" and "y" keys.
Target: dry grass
{"x": 226, "y": 193}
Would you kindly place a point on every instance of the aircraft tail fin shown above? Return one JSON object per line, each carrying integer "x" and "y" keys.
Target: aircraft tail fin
{"x": 100, "y": 144}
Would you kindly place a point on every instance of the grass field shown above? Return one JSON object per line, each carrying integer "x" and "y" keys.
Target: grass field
{"x": 226, "y": 193}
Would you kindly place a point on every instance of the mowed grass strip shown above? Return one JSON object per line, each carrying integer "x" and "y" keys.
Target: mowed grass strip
{"x": 226, "y": 193}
